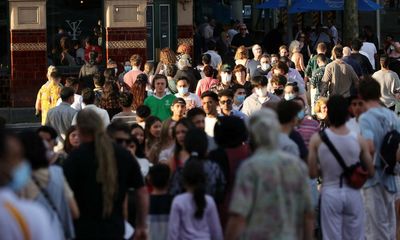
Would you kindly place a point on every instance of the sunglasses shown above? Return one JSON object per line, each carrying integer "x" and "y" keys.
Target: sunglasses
{"x": 226, "y": 102}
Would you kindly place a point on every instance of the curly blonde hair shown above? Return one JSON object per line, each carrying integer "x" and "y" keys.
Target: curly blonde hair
{"x": 318, "y": 104}
{"x": 167, "y": 56}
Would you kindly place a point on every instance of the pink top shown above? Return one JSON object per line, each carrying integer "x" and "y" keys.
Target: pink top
{"x": 307, "y": 128}
{"x": 130, "y": 77}
{"x": 205, "y": 84}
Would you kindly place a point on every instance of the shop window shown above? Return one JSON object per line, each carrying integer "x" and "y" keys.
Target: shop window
{"x": 74, "y": 28}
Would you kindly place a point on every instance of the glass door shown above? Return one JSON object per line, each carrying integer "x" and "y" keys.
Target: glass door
{"x": 161, "y": 27}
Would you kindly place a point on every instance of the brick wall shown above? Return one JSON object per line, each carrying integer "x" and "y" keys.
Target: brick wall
{"x": 122, "y": 43}
{"x": 28, "y": 66}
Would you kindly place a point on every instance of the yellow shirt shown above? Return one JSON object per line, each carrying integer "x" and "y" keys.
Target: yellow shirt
{"x": 47, "y": 98}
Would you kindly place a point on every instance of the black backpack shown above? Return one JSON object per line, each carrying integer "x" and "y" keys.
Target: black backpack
{"x": 389, "y": 147}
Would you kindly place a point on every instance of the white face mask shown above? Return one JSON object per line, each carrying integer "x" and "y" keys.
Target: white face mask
{"x": 226, "y": 78}
{"x": 265, "y": 66}
{"x": 261, "y": 92}
{"x": 183, "y": 90}
{"x": 289, "y": 96}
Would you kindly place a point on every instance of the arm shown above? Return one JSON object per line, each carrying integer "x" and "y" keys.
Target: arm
{"x": 301, "y": 62}
{"x": 308, "y": 226}
{"x": 313, "y": 155}
{"x": 235, "y": 226}
{"x": 142, "y": 208}
{"x": 38, "y": 105}
{"x": 173, "y": 223}
{"x": 73, "y": 206}
{"x": 213, "y": 222}
{"x": 365, "y": 156}
{"x": 326, "y": 79}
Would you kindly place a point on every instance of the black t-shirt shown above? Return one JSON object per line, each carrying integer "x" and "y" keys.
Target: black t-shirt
{"x": 238, "y": 40}
{"x": 160, "y": 204}
{"x": 365, "y": 65}
{"x": 80, "y": 170}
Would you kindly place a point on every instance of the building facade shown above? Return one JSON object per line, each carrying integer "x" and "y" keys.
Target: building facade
{"x": 121, "y": 27}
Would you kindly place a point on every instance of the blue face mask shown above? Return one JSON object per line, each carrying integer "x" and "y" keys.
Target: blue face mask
{"x": 240, "y": 98}
{"x": 20, "y": 176}
{"x": 301, "y": 115}
{"x": 127, "y": 68}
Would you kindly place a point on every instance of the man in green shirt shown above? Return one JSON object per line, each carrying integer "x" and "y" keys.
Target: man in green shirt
{"x": 312, "y": 63}
{"x": 160, "y": 103}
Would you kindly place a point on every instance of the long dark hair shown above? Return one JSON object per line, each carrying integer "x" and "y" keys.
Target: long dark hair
{"x": 195, "y": 178}
{"x": 138, "y": 90}
{"x": 139, "y": 146}
{"x": 178, "y": 148}
{"x": 67, "y": 144}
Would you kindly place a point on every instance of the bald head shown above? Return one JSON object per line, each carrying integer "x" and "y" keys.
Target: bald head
{"x": 346, "y": 51}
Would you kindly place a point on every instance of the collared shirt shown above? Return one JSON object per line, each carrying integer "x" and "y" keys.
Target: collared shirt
{"x": 60, "y": 118}
{"x": 32, "y": 214}
{"x": 252, "y": 103}
{"x": 47, "y": 97}
{"x": 272, "y": 193}
{"x": 77, "y": 104}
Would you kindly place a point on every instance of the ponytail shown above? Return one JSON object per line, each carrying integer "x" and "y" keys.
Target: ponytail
{"x": 200, "y": 200}
{"x": 107, "y": 170}
{"x": 195, "y": 178}
{"x": 90, "y": 124}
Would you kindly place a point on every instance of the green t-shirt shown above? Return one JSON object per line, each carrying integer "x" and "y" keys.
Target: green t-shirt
{"x": 160, "y": 108}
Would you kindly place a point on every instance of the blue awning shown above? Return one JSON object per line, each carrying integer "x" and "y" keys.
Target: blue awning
{"x": 330, "y": 5}
{"x": 267, "y": 4}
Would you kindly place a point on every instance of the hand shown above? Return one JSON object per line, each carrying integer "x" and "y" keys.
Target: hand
{"x": 140, "y": 233}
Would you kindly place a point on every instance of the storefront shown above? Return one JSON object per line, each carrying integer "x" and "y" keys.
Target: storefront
{"x": 40, "y": 32}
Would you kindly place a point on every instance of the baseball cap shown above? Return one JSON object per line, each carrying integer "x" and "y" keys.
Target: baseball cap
{"x": 226, "y": 68}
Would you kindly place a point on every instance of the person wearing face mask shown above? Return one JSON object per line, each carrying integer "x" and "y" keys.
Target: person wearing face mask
{"x": 192, "y": 100}
{"x": 264, "y": 67}
{"x": 19, "y": 219}
{"x": 127, "y": 68}
{"x": 225, "y": 105}
{"x": 225, "y": 79}
{"x": 277, "y": 85}
{"x": 291, "y": 91}
{"x": 260, "y": 96}
{"x": 239, "y": 97}
{"x": 130, "y": 77}
{"x": 253, "y": 64}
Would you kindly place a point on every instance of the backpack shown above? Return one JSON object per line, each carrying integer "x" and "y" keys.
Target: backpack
{"x": 388, "y": 151}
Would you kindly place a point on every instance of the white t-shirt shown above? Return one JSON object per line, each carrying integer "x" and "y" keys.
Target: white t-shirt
{"x": 190, "y": 99}
{"x": 353, "y": 125}
{"x": 370, "y": 50}
{"x": 210, "y": 123}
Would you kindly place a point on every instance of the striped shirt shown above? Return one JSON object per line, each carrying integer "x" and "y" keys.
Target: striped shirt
{"x": 307, "y": 128}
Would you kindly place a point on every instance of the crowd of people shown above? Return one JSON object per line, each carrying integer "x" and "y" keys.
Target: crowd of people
{"x": 257, "y": 148}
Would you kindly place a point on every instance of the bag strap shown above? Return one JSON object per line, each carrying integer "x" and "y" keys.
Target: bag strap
{"x": 20, "y": 219}
{"x": 49, "y": 201}
{"x": 332, "y": 148}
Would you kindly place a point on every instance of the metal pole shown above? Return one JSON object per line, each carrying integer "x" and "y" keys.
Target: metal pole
{"x": 378, "y": 25}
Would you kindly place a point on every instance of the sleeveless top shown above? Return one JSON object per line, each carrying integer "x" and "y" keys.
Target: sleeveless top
{"x": 55, "y": 189}
{"x": 347, "y": 146}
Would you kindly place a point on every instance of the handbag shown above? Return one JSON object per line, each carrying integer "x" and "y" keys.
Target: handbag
{"x": 355, "y": 175}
